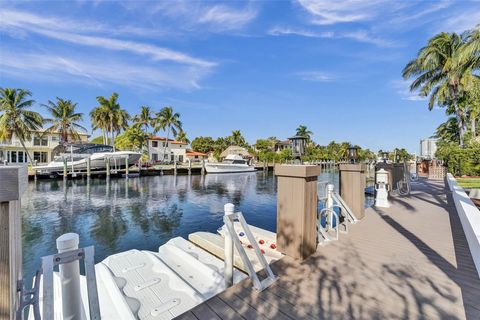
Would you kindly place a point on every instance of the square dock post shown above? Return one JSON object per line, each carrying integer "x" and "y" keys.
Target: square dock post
{"x": 14, "y": 183}
{"x": 297, "y": 209}
{"x": 352, "y": 187}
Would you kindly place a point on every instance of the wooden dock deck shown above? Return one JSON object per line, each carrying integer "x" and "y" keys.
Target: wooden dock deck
{"x": 410, "y": 261}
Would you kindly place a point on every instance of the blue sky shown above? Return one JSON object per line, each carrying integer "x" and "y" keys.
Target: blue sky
{"x": 263, "y": 67}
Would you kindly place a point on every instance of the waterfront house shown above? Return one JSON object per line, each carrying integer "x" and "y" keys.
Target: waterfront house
{"x": 159, "y": 149}
{"x": 40, "y": 147}
{"x": 281, "y": 145}
{"x": 196, "y": 156}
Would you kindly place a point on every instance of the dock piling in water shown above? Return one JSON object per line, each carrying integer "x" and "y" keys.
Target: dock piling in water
{"x": 14, "y": 183}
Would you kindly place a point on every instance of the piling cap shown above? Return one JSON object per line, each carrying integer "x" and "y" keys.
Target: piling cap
{"x": 67, "y": 241}
{"x": 229, "y": 208}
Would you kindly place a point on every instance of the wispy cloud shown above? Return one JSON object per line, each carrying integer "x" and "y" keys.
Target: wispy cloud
{"x": 359, "y": 35}
{"x": 402, "y": 88}
{"x": 93, "y": 71}
{"x": 315, "y": 75}
{"x": 325, "y": 12}
{"x": 461, "y": 21}
{"x": 53, "y": 28}
{"x": 217, "y": 17}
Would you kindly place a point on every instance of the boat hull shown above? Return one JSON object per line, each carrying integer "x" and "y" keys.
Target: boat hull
{"x": 97, "y": 162}
{"x": 228, "y": 168}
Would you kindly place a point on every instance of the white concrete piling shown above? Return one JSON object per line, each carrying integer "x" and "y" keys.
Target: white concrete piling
{"x": 229, "y": 209}
{"x": 70, "y": 279}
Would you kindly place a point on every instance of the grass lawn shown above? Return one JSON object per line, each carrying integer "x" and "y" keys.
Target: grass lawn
{"x": 469, "y": 182}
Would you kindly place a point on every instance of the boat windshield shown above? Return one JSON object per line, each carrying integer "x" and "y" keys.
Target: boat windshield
{"x": 230, "y": 161}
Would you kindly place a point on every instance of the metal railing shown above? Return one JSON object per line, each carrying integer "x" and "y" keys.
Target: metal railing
{"x": 232, "y": 240}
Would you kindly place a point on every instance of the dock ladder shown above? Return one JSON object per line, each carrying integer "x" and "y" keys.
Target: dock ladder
{"x": 232, "y": 240}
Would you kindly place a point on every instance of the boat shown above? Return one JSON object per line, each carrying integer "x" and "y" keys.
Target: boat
{"x": 231, "y": 164}
{"x": 77, "y": 155}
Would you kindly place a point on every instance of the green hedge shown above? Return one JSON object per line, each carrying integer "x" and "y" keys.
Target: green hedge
{"x": 460, "y": 161}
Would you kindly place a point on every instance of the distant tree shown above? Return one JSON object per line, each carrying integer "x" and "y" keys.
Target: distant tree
{"x": 203, "y": 144}
{"x": 134, "y": 138}
{"x": 15, "y": 117}
{"x": 182, "y": 136}
{"x": 169, "y": 121}
{"x": 98, "y": 140}
{"x": 64, "y": 119}
{"x": 302, "y": 131}
{"x": 237, "y": 139}
{"x": 145, "y": 118}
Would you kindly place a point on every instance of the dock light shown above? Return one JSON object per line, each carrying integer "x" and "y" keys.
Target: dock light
{"x": 397, "y": 158}
{"x": 385, "y": 156}
{"x": 298, "y": 146}
{"x": 353, "y": 154}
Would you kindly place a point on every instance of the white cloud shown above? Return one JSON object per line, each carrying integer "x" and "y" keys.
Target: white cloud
{"x": 317, "y": 76}
{"x": 402, "y": 87}
{"x": 461, "y": 21}
{"x": 94, "y": 71}
{"x": 192, "y": 15}
{"x": 54, "y": 28}
{"x": 326, "y": 12}
{"x": 359, "y": 35}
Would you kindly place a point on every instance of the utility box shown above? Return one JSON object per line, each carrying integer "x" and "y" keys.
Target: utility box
{"x": 352, "y": 187}
{"x": 297, "y": 209}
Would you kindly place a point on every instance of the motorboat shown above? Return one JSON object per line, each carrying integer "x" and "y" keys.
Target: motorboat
{"x": 232, "y": 163}
{"x": 76, "y": 157}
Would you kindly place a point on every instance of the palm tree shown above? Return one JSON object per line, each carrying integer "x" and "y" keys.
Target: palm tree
{"x": 109, "y": 117}
{"x": 99, "y": 120}
{"x": 64, "y": 119}
{"x": 471, "y": 50}
{"x": 448, "y": 131}
{"x": 237, "y": 138}
{"x": 182, "y": 136}
{"x": 15, "y": 118}
{"x": 302, "y": 131}
{"x": 169, "y": 121}
{"x": 144, "y": 118}
{"x": 439, "y": 72}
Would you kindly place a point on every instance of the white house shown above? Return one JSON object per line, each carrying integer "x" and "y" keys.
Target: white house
{"x": 157, "y": 151}
{"x": 428, "y": 147}
{"x": 40, "y": 147}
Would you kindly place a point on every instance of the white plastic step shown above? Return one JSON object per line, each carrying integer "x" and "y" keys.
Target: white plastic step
{"x": 143, "y": 277}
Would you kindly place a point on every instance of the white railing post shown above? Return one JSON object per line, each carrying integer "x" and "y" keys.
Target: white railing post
{"x": 70, "y": 279}
{"x": 228, "y": 208}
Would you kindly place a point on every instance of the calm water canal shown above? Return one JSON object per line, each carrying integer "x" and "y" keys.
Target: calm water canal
{"x": 142, "y": 213}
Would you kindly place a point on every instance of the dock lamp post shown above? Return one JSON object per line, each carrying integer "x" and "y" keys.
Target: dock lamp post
{"x": 298, "y": 146}
{"x": 385, "y": 156}
{"x": 397, "y": 158}
{"x": 353, "y": 154}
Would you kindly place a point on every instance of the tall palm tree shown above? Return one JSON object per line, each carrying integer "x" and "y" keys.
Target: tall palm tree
{"x": 471, "y": 50}
{"x": 448, "y": 131}
{"x": 182, "y": 136}
{"x": 109, "y": 117}
{"x": 237, "y": 138}
{"x": 99, "y": 121}
{"x": 302, "y": 131}
{"x": 15, "y": 118}
{"x": 145, "y": 118}
{"x": 169, "y": 121}
{"x": 64, "y": 119}
{"x": 439, "y": 72}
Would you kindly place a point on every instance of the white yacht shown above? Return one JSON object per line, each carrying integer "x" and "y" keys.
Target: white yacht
{"x": 76, "y": 156}
{"x": 232, "y": 163}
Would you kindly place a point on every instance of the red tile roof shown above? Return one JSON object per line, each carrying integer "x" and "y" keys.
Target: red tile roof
{"x": 165, "y": 139}
{"x": 195, "y": 153}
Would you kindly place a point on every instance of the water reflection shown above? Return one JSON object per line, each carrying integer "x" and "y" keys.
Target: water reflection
{"x": 142, "y": 213}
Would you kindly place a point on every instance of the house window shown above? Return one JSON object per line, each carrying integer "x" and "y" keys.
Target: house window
{"x": 165, "y": 156}
{"x": 40, "y": 141}
{"x": 40, "y": 157}
{"x": 13, "y": 156}
{"x": 180, "y": 158}
{"x": 154, "y": 157}
{"x": 154, "y": 144}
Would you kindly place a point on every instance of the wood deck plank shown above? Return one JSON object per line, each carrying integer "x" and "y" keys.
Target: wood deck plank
{"x": 409, "y": 261}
